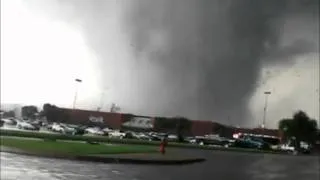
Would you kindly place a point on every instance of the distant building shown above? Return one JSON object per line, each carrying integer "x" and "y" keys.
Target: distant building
{"x": 143, "y": 123}
{"x": 200, "y": 128}
{"x": 94, "y": 118}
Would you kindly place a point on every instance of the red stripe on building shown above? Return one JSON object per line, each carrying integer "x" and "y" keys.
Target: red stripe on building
{"x": 200, "y": 128}
{"x": 113, "y": 120}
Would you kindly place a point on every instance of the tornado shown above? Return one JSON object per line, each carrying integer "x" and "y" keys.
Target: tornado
{"x": 195, "y": 58}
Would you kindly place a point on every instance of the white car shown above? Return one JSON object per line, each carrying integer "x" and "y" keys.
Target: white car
{"x": 191, "y": 140}
{"x": 290, "y": 147}
{"x": 117, "y": 134}
{"x": 142, "y": 136}
{"x": 287, "y": 147}
{"x": 10, "y": 121}
{"x": 63, "y": 128}
{"x": 172, "y": 137}
{"x": 107, "y": 130}
{"x": 69, "y": 129}
{"x": 57, "y": 128}
{"x": 26, "y": 126}
{"x": 95, "y": 131}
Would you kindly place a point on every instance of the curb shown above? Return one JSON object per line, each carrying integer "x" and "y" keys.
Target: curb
{"x": 105, "y": 159}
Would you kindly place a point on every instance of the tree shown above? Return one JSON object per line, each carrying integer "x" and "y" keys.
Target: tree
{"x": 183, "y": 126}
{"x": 29, "y": 112}
{"x": 179, "y": 125}
{"x": 54, "y": 113}
{"x": 114, "y": 108}
{"x": 299, "y": 126}
{"x": 163, "y": 124}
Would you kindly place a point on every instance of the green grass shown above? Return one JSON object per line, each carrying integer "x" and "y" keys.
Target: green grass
{"x": 71, "y": 148}
{"x": 53, "y": 136}
{"x": 153, "y": 144}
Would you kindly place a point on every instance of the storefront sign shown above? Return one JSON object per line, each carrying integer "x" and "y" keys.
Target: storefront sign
{"x": 139, "y": 122}
{"x": 96, "y": 119}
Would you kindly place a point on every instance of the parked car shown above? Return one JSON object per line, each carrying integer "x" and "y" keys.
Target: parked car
{"x": 156, "y": 137}
{"x": 211, "y": 141}
{"x": 80, "y": 130}
{"x": 57, "y": 128}
{"x": 251, "y": 142}
{"x": 287, "y": 147}
{"x": 143, "y": 136}
{"x": 49, "y": 127}
{"x": 94, "y": 131}
{"x": 117, "y": 134}
{"x": 290, "y": 147}
{"x": 27, "y": 126}
{"x": 36, "y": 124}
{"x": 172, "y": 137}
{"x": 9, "y": 121}
{"x": 107, "y": 130}
{"x": 191, "y": 140}
{"x": 305, "y": 147}
{"x": 70, "y": 129}
{"x": 129, "y": 135}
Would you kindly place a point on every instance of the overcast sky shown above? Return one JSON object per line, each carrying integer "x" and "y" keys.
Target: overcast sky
{"x": 163, "y": 58}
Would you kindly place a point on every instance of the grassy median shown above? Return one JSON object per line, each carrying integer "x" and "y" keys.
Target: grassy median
{"x": 127, "y": 142}
{"x": 72, "y": 148}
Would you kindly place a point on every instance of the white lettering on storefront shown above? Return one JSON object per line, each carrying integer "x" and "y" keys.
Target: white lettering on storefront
{"x": 96, "y": 119}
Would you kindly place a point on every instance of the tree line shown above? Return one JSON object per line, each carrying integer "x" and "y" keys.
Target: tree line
{"x": 300, "y": 127}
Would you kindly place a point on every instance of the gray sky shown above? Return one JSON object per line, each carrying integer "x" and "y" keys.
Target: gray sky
{"x": 208, "y": 60}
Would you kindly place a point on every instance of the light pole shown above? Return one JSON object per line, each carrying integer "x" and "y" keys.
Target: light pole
{"x": 266, "y": 93}
{"x": 76, "y": 93}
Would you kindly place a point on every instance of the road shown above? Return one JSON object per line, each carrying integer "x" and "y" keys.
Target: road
{"x": 219, "y": 166}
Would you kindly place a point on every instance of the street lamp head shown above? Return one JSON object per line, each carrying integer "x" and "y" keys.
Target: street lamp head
{"x": 78, "y": 80}
{"x": 267, "y": 92}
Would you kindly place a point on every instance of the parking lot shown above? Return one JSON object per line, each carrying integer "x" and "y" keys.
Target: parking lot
{"x": 243, "y": 141}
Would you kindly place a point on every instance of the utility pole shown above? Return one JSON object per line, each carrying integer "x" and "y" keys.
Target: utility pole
{"x": 266, "y": 93}
{"x": 76, "y": 93}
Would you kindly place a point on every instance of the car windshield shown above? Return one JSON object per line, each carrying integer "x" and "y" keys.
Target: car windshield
{"x": 207, "y": 89}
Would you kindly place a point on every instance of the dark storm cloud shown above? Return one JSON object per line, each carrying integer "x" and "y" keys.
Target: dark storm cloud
{"x": 203, "y": 56}
{"x": 226, "y": 40}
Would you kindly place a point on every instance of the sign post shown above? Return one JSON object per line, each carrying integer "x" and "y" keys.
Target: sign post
{"x": 76, "y": 93}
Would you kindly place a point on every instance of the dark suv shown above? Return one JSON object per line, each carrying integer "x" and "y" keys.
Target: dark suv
{"x": 252, "y": 142}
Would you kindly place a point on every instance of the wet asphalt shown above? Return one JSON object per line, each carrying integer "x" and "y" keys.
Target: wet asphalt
{"x": 219, "y": 166}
